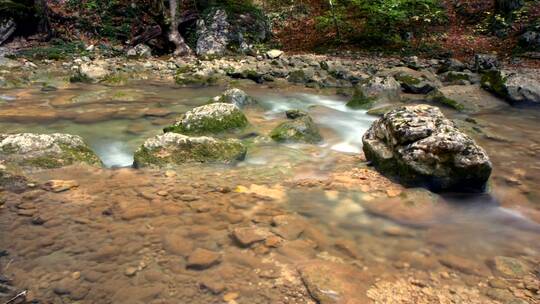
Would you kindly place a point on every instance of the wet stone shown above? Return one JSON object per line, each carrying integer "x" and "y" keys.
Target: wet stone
{"x": 509, "y": 267}
{"x": 246, "y": 236}
{"x": 460, "y": 264}
{"x": 57, "y": 186}
{"x": 201, "y": 259}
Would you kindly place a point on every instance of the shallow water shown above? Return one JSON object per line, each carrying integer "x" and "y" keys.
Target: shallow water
{"x": 93, "y": 233}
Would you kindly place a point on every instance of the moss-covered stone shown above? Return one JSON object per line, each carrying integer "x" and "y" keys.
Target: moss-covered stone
{"x": 495, "y": 82}
{"x": 198, "y": 80}
{"x": 300, "y": 129}
{"x": 360, "y": 101}
{"x": 298, "y": 76}
{"x": 210, "y": 119}
{"x": 175, "y": 149}
{"x": 236, "y": 97}
{"x": 438, "y": 97}
{"x": 45, "y": 151}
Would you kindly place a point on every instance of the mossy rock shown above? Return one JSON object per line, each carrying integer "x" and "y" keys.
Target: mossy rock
{"x": 45, "y": 151}
{"x": 494, "y": 81}
{"x": 210, "y": 119}
{"x": 300, "y": 130}
{"x": 437, "y": 96}
{"x": 360, "y": 101}
{"x": 174, "y": 149}
{"x": 236, "y": 97}
{"x": 195, "y": 80}
{"x": 298, "y": 76}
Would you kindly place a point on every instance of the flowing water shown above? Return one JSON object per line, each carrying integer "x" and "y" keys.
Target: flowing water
{"x": 125, "y": 235}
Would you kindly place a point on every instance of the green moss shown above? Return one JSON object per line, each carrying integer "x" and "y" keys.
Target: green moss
{"x": 360, "y": 101}
{"x": 195, "y": 80}
{"x": 298, "y": 76}
{"x": 56, "y": 50}
{"x": 79, "y": 77}
{"x": 407, "y": 79}
{"x": 219, "y": 151}
{"x": 495, "y": 82}
{"x": 302, "y": 129}
{"x": 438, "y": 97}
{"x": 455, "y": 77}
{"x": 115, "y": 79}
{"x": 210, "y": 125}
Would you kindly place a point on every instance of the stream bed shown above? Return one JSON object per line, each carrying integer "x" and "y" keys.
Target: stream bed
{"x": 128, "y": 236}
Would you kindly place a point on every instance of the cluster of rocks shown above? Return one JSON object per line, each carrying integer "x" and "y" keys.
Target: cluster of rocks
{"x": 202, "y": 134}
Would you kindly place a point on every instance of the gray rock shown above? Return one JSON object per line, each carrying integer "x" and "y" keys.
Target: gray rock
{"x": 422, "y": 147}
{"x": 236, "y": 97}
{"x": 530, "y": 40}
{"x": 140, "y": 51}
{"x": 273, "y": 54}
{"x": 214, "y": 34}
{"x": 172, "y": 149}
{"x": 45, "y": 150}
{"x": 212, "y": 118}
{"x": 485, "y": 62}
{"x": 514, "y": 87}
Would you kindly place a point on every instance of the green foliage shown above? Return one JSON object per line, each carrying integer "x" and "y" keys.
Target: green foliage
{"x": 382, "y": 21}
{"x": 56, "y": 50}
{"x": 18, "y": 10}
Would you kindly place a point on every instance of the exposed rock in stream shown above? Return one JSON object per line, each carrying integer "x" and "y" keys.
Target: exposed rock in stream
{"x": 173, "y": 149}
{"x": 422, "y": 147}
{"x": 208, "y": 119}
{"x": 45, "y": 150}
{"x": 514, "y": 87}
{"x": 299, "y": 128}
{"x": 236, "y": 97}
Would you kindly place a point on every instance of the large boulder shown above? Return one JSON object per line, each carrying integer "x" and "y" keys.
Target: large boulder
{"x": 175, "y": 149}
{"x": 514, "y": 87}
{"x": 298, "y": 128}
{"x": 236, "y": 97}
{"x": 45, "y": 150}
{"x": 422, "y": 147}
{"x": 208, "y": 119}
{"x": 530, "y": 40}
{"x": 214, "y": 34}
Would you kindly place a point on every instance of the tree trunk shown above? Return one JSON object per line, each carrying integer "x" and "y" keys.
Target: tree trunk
{"x": 182, "y": 49}
{"x": 42, "y": 11}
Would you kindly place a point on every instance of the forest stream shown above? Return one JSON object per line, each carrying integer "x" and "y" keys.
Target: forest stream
{"x": 292, "y": 223}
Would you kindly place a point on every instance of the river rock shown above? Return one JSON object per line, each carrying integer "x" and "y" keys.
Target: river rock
{"x": 300, "y": 129}
{"x": 213, "y": 118}
{"x": 45, "y": 150}
{"x": 273, "y": 54}
{"x": 413, "y": 81}
{"x": 94, "y": 71}
{"x": 509, "y": 267}
{"x": 214, "y": 34}
{"x": 422, "y": 147}
{"x": 174, "y": 149}
{"x": 485, "y": 62}
{"x": 377, "y": 89}
{"x": 139, "y": 51}
{"x": 201, "y": 259}
{"x": 236, "y": 97}
{"x": 514, "y": 87}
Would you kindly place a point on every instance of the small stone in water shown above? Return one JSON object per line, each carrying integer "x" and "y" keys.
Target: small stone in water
{"x": 231, "y": 296}
{"x": 162, "y": 193}
{"x": 202, "y": 259}
{"x": 130, "y": 271}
